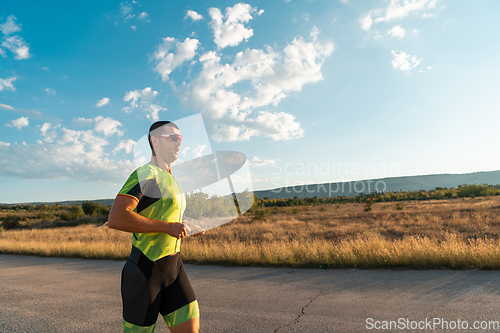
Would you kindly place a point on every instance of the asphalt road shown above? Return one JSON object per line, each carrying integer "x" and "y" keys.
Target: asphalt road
{"x": 73, "y": 295}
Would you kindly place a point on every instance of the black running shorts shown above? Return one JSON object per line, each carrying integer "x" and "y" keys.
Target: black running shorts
{"x": 153, "y": 287}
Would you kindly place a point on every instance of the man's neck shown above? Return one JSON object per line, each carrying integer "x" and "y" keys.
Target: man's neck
{"x": 160, "y": 163}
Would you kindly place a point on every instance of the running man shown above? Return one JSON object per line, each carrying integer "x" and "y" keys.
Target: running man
{"x": 150, "y": 205}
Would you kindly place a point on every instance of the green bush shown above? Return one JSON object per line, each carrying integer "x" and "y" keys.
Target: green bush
{"x": 368, "y": 205}
{"x": 199, "y": 204}
{"x": 76, "y": 211}
{"x": 260, "y": 214}
{"x": 71, "y": 213}
{"x": 450, "y": 193}
{"x": 475, "y": 190}
{"x": 437, "y": 194}
{"x": 11, "y": 222}
{"x": 65, "y": 216}
{"x": 91, "y": 208}
{"x": 105, "y": 210}
{"x": 45, "y": 216}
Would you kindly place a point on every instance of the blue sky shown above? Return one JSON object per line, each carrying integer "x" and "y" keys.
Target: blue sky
{"x": 309, "y": 91}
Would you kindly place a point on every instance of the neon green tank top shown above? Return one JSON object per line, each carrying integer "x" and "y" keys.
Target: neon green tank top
{"x": 160, "y": 197}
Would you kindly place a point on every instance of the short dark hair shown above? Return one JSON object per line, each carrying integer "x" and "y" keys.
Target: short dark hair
{"x": 156, "y": 125}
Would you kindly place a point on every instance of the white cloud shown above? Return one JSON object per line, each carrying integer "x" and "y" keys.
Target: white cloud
{"x": 405, "y": 62}
{"x": 259, "y": 162}
{"x": 78, "y": 155}
{"x": 102, "y": 102}
{"x": 188, "y": 153}
{"x": 7, "y": 83}
{"x": 127, "y": 12}
{"x": 397, "y": 31}
{"x": 145, "y": 96}
{"x": 415, "y": 32}
{"x": 107, "y": 126}
{"x": 82, "y": 139}
{"x": 50, "y": 91}
{"x": 154, "y": 110}
{"x": 344, "y": 1}
{"x": 29, "y": 113}
{"x": 193, "y": 15}
{"x": 314, "y": 33}
{"x": 81, "y": 122}
{"x": 366, "y": 21}
{"x": 5, "y": 106}
{"x": 49, "y": 136}
{"x": 11, "y": 42}
{"x": 127, "y": 145}
{"x": 10, "y": 26}
{"x": 279, "y": 126}
{"x": 143, "y": 100}
{"x": 19, "y": 123}
{"x": 134, "y": 96}
{"x": 64, "y": 153}
{"x": 45, "y": 127}
{"x": 270, "y": 75}
{"x": 166, "y": 62}
{"x": 232, "y": 31}
{"x": 143, "y": 16}
{"x": 199, "y": 150}
{"x": 18, "y": 46}
{"x": 396, "y": 10}
{"x": 427, "y": 15}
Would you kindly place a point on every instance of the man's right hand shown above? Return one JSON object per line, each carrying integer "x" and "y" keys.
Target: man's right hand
{"x": 177, "y": 230}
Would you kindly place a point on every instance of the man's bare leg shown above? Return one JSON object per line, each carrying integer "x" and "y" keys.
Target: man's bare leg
{"x": 190, "y": 326}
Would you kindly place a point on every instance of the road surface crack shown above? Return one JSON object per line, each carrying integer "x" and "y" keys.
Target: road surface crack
{"x": 296, "y": 320}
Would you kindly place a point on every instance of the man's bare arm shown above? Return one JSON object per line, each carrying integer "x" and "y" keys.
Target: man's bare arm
{"x": 123, "y": 217}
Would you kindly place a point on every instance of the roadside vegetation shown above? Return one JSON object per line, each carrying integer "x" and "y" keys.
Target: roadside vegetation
{"x": 461, "y": 232}
{"x": 42, "y": 216}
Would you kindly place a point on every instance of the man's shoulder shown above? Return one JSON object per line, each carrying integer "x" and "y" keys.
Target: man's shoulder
{"x": 146, "y": 171}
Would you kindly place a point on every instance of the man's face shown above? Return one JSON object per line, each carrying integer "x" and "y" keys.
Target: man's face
{"x": 164, "y": 148}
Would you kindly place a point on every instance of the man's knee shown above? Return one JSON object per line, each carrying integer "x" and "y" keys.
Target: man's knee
{"x": 190, "y": 326}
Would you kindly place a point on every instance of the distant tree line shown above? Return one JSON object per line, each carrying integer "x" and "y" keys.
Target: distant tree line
{"x": 202, "y": 205}
{"x": 12, "y": 216}
{"x": 463, "y": 191}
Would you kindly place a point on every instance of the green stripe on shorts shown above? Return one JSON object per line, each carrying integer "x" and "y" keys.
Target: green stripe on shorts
{"x": 131, "y": 328}
{"x": 183, "y": 314}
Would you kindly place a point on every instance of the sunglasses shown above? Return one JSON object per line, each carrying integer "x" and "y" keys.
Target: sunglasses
{"x": 171, "y": 137}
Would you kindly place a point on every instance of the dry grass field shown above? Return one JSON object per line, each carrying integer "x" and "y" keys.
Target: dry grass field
{"x": 452, "y": 233}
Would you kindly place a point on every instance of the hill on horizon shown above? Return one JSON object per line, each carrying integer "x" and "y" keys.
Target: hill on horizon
{"x": 407, "y": 183}
{"x": 353, "y": 188}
